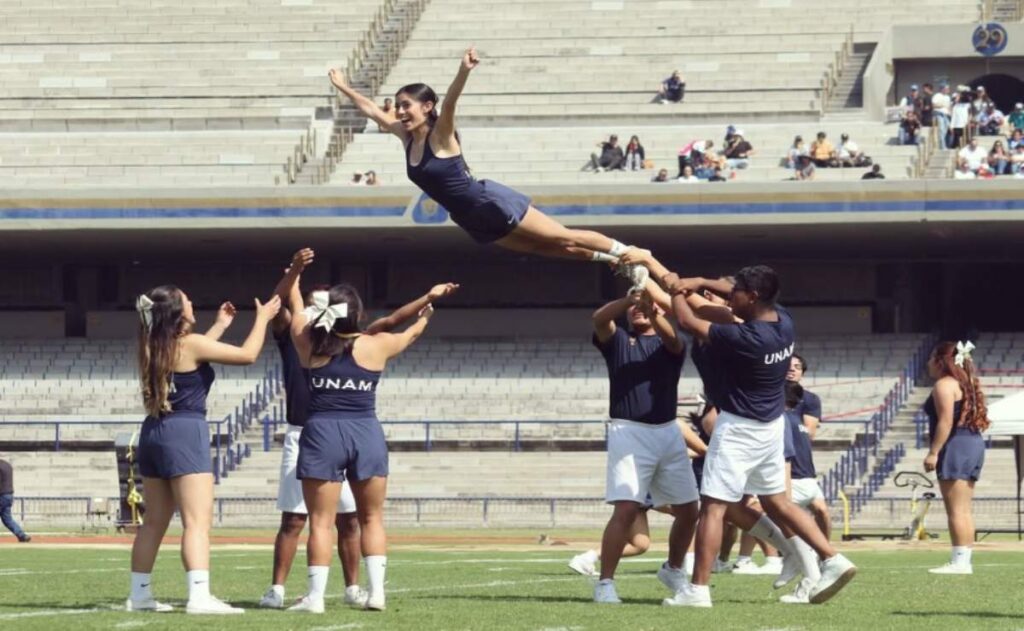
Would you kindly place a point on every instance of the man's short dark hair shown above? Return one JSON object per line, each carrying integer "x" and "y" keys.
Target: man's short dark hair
{"x": 803, "y": 362}
{"x": 794, "y": 394}
{"x": 761, "y": 279}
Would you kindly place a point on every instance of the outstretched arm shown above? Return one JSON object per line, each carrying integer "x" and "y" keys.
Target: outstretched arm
{"x": 225, "y": 316}
{"x": 365, "y": 105}
{"x": 407, "y": 312}
{"x": 445, "y": 125}
{"x": 300, "y": 261}
{"x": 604, "y": 318}
{"x": 665, "y": 330}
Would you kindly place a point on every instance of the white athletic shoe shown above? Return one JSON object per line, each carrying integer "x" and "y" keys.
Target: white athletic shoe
{"x": 835, "y": 574}
{"x": 375, "y": 602}
{"x": 800, "y": 595}
{"x": 308, "y": 605}
{"x": 953, "y": 568}
{"x": 637, "y": 275}
{"x": 582, "y": 564}
{"x": 675, "y": 580}
{"x": 721, "y": 567}
{"x": 211, "y": 605}
{"x": 746, "y": 567}
{"x": 149, "y": 604}
{"x": 356, "y": 596}
{"x": 272, "y": 599}
{"x": 790, "y": 570}
{"x": 772, "y": 565}
{"x": 604, "y": 593}
{"x": 689, "y": 596}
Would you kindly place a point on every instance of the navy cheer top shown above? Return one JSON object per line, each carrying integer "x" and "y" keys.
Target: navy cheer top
{"x": 296, "y": 381}
{"x": 189, "y": 389}
{"x": 343, "y": 388}
{"x": 446, "y": 180}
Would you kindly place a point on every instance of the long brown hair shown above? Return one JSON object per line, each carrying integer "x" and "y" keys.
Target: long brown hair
{"x": 340, "y": 338}
{"x": 160, "y": 326}
{"x": 974, "y": 414}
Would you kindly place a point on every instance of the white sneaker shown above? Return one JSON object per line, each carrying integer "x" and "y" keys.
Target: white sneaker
{"x": 604, "y": 593}
{"x": 835, "y": 574}
{"x": 148, "y": 604}
{"x": 637, "y": 275}
{"x": 582, "y": 564}
{"x": 721, "y": 567}
{"x": 308, "y": 605}
{"x": 211, "y": 605}
{"x": 800, "y": 595}
{"x": 375, "y": 602}
{"x": 790, "y": 570}
{"x": 953, "y": 568}
{"x": 772, "y": 566}
{"x": 675, "y": 580}
{"x": 746, "y": 567}
{"x": 689, "y": 596}
{"x": 356, "y": 596}
{"x": 273, "y": 599}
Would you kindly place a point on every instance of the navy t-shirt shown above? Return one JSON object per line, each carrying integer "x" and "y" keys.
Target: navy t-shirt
{"x": 296, "y": 381}
{"x": 755, "y": 358}
{"x": 798, "y": 446}
{"x": 810, "y": 405}
{"x": 709, "y": 368}
{"x": 643, "y": 375}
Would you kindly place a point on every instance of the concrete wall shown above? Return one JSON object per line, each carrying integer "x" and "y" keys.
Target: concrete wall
{"x": 34, "y": 324}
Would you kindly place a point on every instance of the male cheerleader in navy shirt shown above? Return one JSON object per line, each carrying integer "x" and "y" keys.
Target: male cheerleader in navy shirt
{"x": 807, "y": 492}
{"x": 746, "y": 451}
{"x": 646, "y": 453}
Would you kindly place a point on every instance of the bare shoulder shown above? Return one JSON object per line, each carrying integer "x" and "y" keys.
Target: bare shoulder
{"x": 948, "y": 387}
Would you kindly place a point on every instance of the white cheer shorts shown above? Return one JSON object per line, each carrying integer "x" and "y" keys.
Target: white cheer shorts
{"x": 805, "y": 491}
{"x": 645, "y": 458}
{"x": 745, "y": 457}
{"x": 289, "y": 493}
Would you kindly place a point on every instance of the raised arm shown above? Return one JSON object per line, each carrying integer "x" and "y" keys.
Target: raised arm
{"x": 687, "y": 319}
{"x": 665, "y": 330}
{"x": 225, "y": 316}
{"x": 945, "y": 399}
{"x": 393, "y": 344}
{"x": 445, "y": 125}
{"x": 406, "y": 312}
{"x": 300, "y": 260}
{"x": 365, "y": 105}
{"x": 206, "y": 350}
{"x": 604, "y": 318}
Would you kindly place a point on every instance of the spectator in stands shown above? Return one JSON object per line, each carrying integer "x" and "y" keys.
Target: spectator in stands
{"x": 672, "y": 89}
{"x": 1017, "y": 117}
{"x": 371, "y": 179}
{"x": 999, "y": 159}
{"x": 1017, "y": 160}
{"x": 911, "y": 102}
{"x": 730, "y": 136}
{"x": 874, "y": 174}
{"x": 976, "y": 157}
{"x": 925, "y": 109}
{"x": 662, "y": 176}
{"x": 990, "y": 120}
{"x": 7, "y": 501}
{"x": 849, "y": 154}
{"x": 957, "y": 415}
{"x": 357, "y": 179}
{"x": 823, "y": 153}
{"x": 800, "y": 161}
{"x": 910, "y": 129}
{"x": 705, "y": 169}
{"x": 963, "y": 171}
{"x": 687, "y": 175}
{"x": 611, "y": 158}
{"x": 693, "y": 154}
{"x": 960, "y": 120}
{"x": 389, "y": 114}
{"x": 981, "y": 99}
{"x": 173, "y": 455}
{"x": 942, "y": 108}
{"x": 738, "y": 151}
{"x": 634, "y": 154}
{"x": 717, "y": 176}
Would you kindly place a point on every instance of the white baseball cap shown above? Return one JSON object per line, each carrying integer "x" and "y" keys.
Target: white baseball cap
{"x": 1019, "y": 106}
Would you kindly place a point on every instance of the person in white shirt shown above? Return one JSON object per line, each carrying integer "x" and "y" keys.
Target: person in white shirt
{"x": 990, "y": 120}
{"x": 941, "y": 110}
{"x": 849, "y": 153}
{"x": 973, "y": 156}
{"x": 687, "y": 177}
{"x": 963, "y": 172}
{"x": 960, "y": 120}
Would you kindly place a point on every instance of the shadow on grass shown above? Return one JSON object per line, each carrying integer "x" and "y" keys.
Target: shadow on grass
{"x": 970, "y": 614}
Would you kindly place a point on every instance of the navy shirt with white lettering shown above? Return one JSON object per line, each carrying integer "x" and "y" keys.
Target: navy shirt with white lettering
{"x": 810, "y": 405}
{"x": 296, "y": 381}
{"x": 755, "y": 358}
{"x": 798, "y": 446}
{"x": 343, "y": 388}
{"x": 643, "y": 376}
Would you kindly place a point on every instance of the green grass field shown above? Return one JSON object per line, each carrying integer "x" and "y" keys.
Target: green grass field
{"x": 531, "y": 589}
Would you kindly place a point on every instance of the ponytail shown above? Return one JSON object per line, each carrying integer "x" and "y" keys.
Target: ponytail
{"x": 161, "y": 324}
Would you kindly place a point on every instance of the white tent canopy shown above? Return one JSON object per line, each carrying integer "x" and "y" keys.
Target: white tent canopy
{"x": 1007, "y": 416}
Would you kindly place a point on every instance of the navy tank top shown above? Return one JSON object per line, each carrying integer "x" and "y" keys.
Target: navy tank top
{"x": 446, "y": 180}
{"x": 933, "y": 416}
{"x": 189, "y": 389}
{"x": 344, "y": 388}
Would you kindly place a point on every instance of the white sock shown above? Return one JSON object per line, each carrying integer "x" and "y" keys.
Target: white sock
{"x": 743, "y": 559}
{"x": 375, "y": 567}
{"x": 601, "y": 257}
{"x": 592, "y": 556}
{"x": 618, "y": 248}
{"x": 689, "y": 560}
{"x": 961, "y": 555}
{"x": 198, "y": 583}
{"x": 808, "y": 558}
{"x": 352, "y": 590}
{"x": 140, "y": 586}
{"x": 317, "y": 581}
{"x": 766, "y": 530}
{"x": 278, "y": 589}
{"x": 701, "y": 589}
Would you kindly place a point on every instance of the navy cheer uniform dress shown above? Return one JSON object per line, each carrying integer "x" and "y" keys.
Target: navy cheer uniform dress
{"x": 342, "y": 438}
{"x": 963, "y": 455}
{"x": 488, "y": 211}
{"x": 178, "y": 443}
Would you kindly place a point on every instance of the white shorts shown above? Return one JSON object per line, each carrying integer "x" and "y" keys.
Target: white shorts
{"x": 289, "y": 493}
{"x": 805, "y": 491}
{"x": 745, "y": 457}
{"x": 645, "y": 458}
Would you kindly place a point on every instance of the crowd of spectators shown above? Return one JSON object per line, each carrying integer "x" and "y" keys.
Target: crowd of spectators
{"x": 804, "y": 160}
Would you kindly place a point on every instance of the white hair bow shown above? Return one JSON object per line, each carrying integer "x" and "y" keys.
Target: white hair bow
{"x": 145, "y": 308}
{"x": 323, "y": 314}
{"x": 963, "y": 352}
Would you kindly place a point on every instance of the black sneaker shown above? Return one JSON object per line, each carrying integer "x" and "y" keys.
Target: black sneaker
{"x": 24, "y": 539}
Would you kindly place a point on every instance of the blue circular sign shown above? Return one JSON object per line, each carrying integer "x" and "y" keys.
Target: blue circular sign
{"x": 989, "y": 39}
